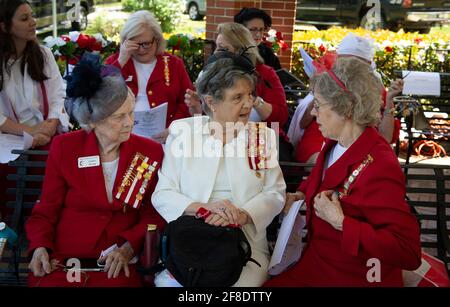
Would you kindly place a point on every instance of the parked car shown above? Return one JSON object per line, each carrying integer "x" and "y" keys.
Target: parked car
{"x": 195, "y": 8}
{"x": 411, "y": 15}
{"x": 44, "y": 14}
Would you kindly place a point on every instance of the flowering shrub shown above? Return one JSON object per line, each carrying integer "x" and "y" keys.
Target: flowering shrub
{"x": 190, "y": 49}
{"x": 68, "y": 49}
{"x": 394, "y": 51}
{"x": 275, "y": 41}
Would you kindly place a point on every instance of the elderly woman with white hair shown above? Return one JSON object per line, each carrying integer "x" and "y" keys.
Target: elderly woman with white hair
{"x": 95, "y": 203}
{"x": 225, "y": 164}
{"x": 357, "y": 218}
{"x": 154, "y": 76}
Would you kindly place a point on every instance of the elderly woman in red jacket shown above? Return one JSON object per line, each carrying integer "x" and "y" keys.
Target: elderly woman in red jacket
{"x": 154, "y": 76}
{"x": 357, "y": 217}
{"x": 96, "y": 192}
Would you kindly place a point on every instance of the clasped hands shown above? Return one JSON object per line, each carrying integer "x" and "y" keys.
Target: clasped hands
{"x": 43, "y": 132}
{"x": 224, "y": 213}
{"x": 115, "y": 261}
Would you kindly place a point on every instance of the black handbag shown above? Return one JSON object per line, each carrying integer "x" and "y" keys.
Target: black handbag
{"x": 201, "y": 255}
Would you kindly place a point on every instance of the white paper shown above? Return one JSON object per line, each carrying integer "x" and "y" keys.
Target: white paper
{"x": 421, "y": 83}
{"x": 8, "y": 142}
{"x": 307, "y": 63}
{"x": 152, "y": 122}
{"x": 279, "y": 256}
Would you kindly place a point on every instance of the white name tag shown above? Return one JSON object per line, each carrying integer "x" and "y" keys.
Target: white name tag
{"x": 90, "y": 161}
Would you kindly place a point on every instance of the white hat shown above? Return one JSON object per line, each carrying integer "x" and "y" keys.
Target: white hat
{"x": 362, "y": 47}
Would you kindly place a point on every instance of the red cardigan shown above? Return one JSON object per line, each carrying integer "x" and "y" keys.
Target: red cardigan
{"x": 377, "y": 224}
{"x": 158, "y": 91}
{"x": 74, "y": 217}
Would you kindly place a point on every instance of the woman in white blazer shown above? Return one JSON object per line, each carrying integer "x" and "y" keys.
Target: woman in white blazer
{"x": 31, "y": 87}
{"x": 223, "y": 163}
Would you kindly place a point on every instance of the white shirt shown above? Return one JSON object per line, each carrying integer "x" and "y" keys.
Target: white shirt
{"x": 21, "y": 99}
{"x": 335, "y": 153}
{"x": 222, "y": 188}
{"x": 143, "y": 71}
{"x": 109, "y": 173}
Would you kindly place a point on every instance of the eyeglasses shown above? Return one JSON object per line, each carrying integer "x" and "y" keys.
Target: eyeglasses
{"x": 317, "y": 105}
{"x": 258, "y": 30}
{"x": 146, "y": 45}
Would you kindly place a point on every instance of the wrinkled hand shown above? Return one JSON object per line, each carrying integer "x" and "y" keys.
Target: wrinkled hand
{"x": 328, "y": 208}
{"x": 48, "y": 127}
{"x": 395, "y": 89}
{"x": 225, "y": 210}
{"x": 126, "y": 51}
{"x": 40, "y": 139}
{"x": 217, "y": 220}
{"x": 117, "y": 260}
{"x": 290, "y": 199}
{"x": 161, "y": 137}
{"x": 192, "y": 100}
{"x": 40, "y": 262}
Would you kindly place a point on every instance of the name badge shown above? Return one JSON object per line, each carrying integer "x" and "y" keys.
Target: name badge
{"x": 90, "y": 161}
{"x": 129, "y": 79}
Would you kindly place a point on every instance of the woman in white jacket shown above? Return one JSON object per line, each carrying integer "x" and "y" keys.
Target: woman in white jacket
{"x": 31, "y": 88}
{"x": 223, "y": 163}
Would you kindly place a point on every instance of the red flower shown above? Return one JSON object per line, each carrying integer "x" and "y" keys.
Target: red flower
{"x": 322, "y": 48}
{"x": 65, "y": 38}
{"x": 97, "y": 46}
{"x": 279, "y": 35}
{"x": 73, "y": 61}
{"x": 418, "y": 40}
{"x": 283, "y": 45}
{"x": 388, "y": 49}
{"x": 85, "y": 41}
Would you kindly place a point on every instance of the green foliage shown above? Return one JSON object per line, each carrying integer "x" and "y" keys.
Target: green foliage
{"x": 107, "y": 27}
{"x": 166, "y": 11}
{"x": 190, "y": 50}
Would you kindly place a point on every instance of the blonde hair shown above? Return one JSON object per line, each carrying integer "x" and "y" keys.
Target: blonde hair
{"x": 140, "y": 22}
{"x": 364, "y": 101}
{"x": 240, "y": 38}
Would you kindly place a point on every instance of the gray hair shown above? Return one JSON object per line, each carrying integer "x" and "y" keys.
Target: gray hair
{"x": 140, "y": 22}
{"x": 110, "y": 96}
{"x": 218, "y": 77}
{"x": 363, "y": 103}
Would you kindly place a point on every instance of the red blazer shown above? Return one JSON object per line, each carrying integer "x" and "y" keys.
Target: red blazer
{"x": 73, "y": 217}
{"x": 158, "y": 92}
{"x": 377, "y": 224}
{"x": 270, "y": 89}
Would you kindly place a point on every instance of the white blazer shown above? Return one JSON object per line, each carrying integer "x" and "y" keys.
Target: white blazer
{"x": 23, "y": 107}
{"x": 188, "y": 175}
